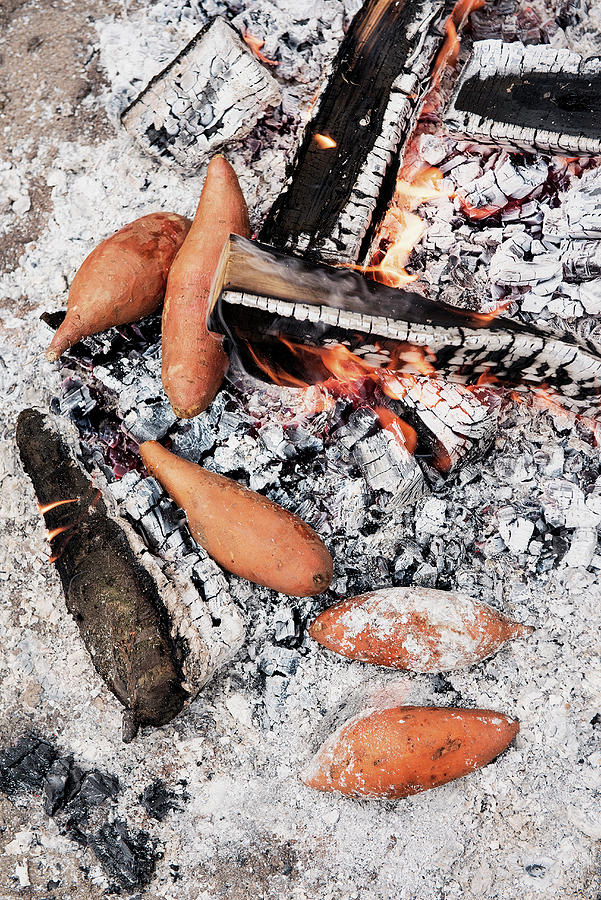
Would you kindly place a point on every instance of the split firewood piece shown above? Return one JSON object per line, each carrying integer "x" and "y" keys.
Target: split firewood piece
{"x": 415, "y": 628}
{"x": 530, "y": 98}
{"x": 111, "y": 594}
{"x": 401, "y": 751}
{"x": 260, "y": 294}
{"x": 343, "y": 176}
{"x": 456, "y": 423}
{"x": 213, "y": 92}
{"x": 243, "y": 531}
{"x": 194, "y": 361}
{"x": 122, "y": 280}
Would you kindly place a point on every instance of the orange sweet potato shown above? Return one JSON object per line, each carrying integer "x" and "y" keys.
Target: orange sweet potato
{"x": 414, "y": 628}
{"x": 194, "y": 361}
{"x": 122, "y": 280}
{"x": 393, "y": 753}
{"x": 243, "y": 531}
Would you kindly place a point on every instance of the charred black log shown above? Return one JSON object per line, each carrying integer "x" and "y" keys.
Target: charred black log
{"x": 343, "y": 176}
{"x": 532, "y": 98}
{"x": 112, "y": 597}
{"x": 260, "y": 295}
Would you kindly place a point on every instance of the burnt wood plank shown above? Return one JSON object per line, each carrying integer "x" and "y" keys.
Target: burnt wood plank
{"x": 260, "y": 295}
{"x": 336, "y": 195}
{"x": 534, "y": 98}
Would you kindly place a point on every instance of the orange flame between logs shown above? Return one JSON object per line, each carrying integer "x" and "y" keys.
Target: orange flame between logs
{"x": 324, "y": 142}
{"x": 256, "y": 44}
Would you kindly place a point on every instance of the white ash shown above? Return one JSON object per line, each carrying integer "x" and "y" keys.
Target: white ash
{"x": 524, "y": 827}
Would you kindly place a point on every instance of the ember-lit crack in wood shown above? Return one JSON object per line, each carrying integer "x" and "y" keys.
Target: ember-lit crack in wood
{"x": 531, "y": 98}
{"x": 339, "y": 189}
{"x": 112, "y": 597}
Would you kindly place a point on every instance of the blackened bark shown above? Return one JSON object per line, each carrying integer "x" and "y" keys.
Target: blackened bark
{"x": 112, "y": 597}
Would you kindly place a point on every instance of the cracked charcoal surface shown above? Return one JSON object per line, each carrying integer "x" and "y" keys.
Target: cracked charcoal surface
{"x": 35, "y": 765}
{"x": 525, "y": 827}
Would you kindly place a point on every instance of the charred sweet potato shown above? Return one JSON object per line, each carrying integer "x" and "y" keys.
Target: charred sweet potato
{"x": 397, "y": 752}
{"x": 414, "y": 628}
{"x": 111, "y": 595}
{"x": 194, "y": 361}
{"x": 243, "y": 531}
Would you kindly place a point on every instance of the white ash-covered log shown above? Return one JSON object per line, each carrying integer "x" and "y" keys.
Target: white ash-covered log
{"x": 458, "y": 423}
{"x": 213, "y": 92}
{"x": 530, "y": 98}
{"x": 260, "y": 294}
{"x": 343, "y": 176}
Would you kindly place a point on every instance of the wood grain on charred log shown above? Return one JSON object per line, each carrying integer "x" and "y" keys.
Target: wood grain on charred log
{"x": 112, "y": 597}
{"x": 340, "y": 187}
{"x": 533, "y": 98}
{"x": 260, "y": 295}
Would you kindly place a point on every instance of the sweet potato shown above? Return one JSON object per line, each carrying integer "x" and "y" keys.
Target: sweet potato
{"x": 194, "y": 361}
{"x": 122, "y": 280}
{"x": 243, "y": 531}
{"x": 396, "y": 752}
{"x": 414, "y": 628}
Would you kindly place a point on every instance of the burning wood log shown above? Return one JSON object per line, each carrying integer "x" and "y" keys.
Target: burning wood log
{"x": 531, "y": 98}
{"x": 214, "y": 91}
{"x": 342, "y": 179}
{"x": 260, "y": 294}
{"x": 455, "y": 422}
{"x": 110, "y": 586}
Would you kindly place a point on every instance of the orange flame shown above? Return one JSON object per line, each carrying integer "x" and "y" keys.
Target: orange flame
{"x": 49, "y": 506}
{"x": 401, "y": 430}
{"x": 324, "y": 141}
{"x": 255, "y": 45}
{"x": 402, "y": 229}
{"x": 54, "y": 532}
{"x": 485, "y": 318}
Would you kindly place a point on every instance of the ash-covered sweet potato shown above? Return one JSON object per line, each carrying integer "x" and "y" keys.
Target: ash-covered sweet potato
{"x": 394, "y": 753}
{"x": 415, "y": 628}
{"x": 122, "y": 280}
{"x": 194, "y": 361}
{"x": 243, "y": 531}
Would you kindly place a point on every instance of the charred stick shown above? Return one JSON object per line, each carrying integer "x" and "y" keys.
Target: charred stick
{"x": 112, "y": 597}
{"x": 343, "y": 176}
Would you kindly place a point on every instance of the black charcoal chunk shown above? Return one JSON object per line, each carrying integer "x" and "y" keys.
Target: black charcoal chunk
{"x": 159, "y": 801}
{"x": 127, "y": 856}
{"x": 24, "y": 766}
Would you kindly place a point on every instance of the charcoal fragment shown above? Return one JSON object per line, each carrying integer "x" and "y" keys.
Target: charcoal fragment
{"x": 25, "y": 766}
{"x": 159, "y": 801}
{"x": 127, "y": 856}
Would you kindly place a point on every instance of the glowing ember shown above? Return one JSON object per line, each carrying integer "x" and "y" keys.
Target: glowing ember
{"x": 54, "y": 532}
{"x": 401, "y": 430}
{"x": 256, "y": 44}
{"x": 49, "y": 506}
{"x": 477, "y": 212}
{"x": 324, "y": 142}
{"x": 402, "y": 228}
{"x": 449, "y": 52}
